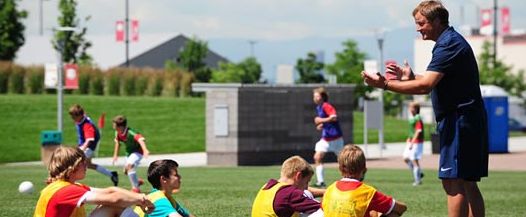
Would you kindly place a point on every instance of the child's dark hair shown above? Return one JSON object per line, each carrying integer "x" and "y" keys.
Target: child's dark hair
{"x": 76, "y": 110}
{"x": 160, "y": 168}
{"x": 120, "y": 121}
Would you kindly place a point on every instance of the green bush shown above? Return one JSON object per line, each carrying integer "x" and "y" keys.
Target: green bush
{"x": 91, "y": 80}
{"x": 16, "y": 80}
{"x": 155, "y": 86}
{"x": 142, "y": 84}
{"x": 170, "y": 83}
{"x": 96, "y": 82}
{"x": 5, "y": 70}
{"x": 35, "y": 80}
{"x": 114, "y": 81}
{"x": 84, "y": 73}
{"x": 186, "y": 83}
{"x": 129, "y": 82}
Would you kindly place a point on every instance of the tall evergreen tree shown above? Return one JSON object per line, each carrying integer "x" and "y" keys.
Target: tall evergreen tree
{"x": 11, "y": 29}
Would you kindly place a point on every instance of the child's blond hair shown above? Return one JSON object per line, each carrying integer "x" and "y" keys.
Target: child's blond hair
{"x": 351, "y": 161}
{"x": 296, "y": 164}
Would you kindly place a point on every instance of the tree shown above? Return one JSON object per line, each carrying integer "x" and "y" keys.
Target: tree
{"x": 73, "y": 44}
{"x": 498, "y": 73}
{"x": 247, "y": 71}
{"x": 191, "y": 59}
{"x": 309, "y": 70}
{"x": 11, "y": 29}
{"x": 347, "y": 68}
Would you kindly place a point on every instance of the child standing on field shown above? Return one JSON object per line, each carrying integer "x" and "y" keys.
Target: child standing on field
{"x": 135, "y": 149}
{"x": 415, "y": 143}
{"x": 88, "y": 140}
{"x": 351, "y": 196}
{"x": 331, "y": 132}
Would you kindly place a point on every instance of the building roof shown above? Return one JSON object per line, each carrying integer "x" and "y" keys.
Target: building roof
{"x": 169, "y": 50}
{"x": 152, "y": 50}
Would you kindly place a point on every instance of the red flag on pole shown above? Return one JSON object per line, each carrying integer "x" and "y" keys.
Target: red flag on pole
{"x": 486, "y": 23}
{"x": 101, "y": 121}
{"x": 135, "y": 30}
{"x": 119, "y": 30}
{"x": 505, "y": 20}
{"x": 71, "y": 76}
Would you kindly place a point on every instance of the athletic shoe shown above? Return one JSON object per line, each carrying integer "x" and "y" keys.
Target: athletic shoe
{"x": 115, "y": 178}
{"x": 136, "y": 190}
{"x": 319, "y": 185}
{"x": 417, "y": 183}
{"x": 141, "y": 182}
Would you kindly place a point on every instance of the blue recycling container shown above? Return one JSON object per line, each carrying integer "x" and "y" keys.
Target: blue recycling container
{"x": 51, "y": 138}
{"x": 497, "y": 111}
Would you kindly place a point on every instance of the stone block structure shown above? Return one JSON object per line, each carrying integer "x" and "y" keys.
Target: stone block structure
{"x": 259, "y": 124}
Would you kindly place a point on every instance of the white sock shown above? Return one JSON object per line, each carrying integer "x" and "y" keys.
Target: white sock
{"x": 416, "y": 173}
{"x": 103, "y": 170}
{"x": 319, "y": 174}
{"x": 410, "y": 165}
{"x": 134, "y": 179}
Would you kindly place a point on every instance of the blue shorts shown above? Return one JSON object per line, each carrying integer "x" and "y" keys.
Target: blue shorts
{"x": 464, "y": 143}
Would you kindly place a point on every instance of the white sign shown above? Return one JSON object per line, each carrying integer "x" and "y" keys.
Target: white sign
{"x": 51, "y": 75}
{"x": 221, "y": 120}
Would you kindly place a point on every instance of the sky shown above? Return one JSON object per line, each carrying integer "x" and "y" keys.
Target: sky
{"x": 229, "y": 25}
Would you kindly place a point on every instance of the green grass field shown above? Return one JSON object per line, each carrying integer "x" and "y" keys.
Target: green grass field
{"x": 170, "y": 125}
{"x": 220, "y": 191}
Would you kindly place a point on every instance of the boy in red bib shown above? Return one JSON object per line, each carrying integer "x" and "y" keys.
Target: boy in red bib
{"x": 350, "y": 196}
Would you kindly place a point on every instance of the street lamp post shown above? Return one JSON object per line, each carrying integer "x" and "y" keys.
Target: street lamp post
{"x": 380, "y": 39}
{"x": 252, "y": 43}
{"x": 42, "y": 16}
{"x": 60, "y": 86}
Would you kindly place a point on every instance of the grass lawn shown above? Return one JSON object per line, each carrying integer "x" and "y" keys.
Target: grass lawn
{"x": 222, "y": 191}
{"x": 170, "y": 125}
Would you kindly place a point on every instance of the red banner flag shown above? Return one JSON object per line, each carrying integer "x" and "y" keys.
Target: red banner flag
{"x": 71, "y": 78}
{"x": 504, "y": 20}
{"x": 119, "y": 30}
{"x": 135, "y": 30}
{"x": 486, "y": 23}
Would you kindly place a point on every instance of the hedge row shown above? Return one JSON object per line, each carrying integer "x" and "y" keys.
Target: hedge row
{"x": 115, "y": 81}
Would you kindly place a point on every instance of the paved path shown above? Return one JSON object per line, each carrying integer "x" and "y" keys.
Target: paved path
{"x": 377, "y": 158}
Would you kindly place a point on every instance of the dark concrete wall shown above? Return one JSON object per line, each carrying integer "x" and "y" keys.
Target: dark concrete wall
{"x": 269, "y": 123}
{"x": 278, "y": 122}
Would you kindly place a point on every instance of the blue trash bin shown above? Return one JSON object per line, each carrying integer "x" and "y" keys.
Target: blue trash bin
{"x": 497, "y": 111}
{"x": 50, "y": 141}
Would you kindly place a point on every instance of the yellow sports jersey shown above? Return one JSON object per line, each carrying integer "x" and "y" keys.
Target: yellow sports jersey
{"x": 353, "y": 203}
{"x": 60, "y": 206}
{"x": 264, "y": 203}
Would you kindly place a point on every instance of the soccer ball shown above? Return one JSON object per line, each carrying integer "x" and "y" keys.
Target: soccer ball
{"x": 26, "y": 187}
